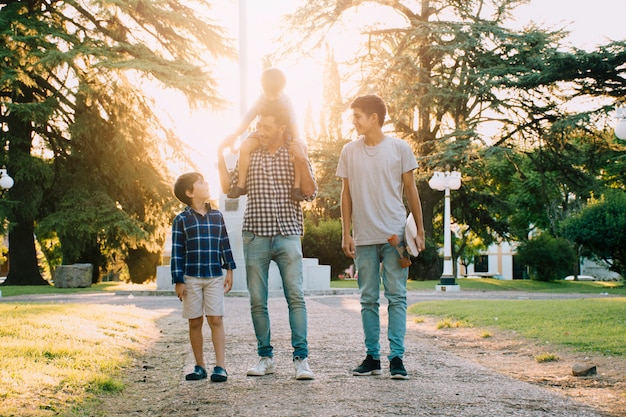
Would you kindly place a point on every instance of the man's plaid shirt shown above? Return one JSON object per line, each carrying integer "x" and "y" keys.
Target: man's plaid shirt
{"x": 200, "y": 245}
{"x": 270, "y": 210}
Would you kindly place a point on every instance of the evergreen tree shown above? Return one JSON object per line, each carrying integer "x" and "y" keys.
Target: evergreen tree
{"x": 461, "y": 86}
{"x": 70, "y": 86}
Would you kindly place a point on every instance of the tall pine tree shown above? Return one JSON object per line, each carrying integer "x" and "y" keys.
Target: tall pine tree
{"x": 81, "y": 139}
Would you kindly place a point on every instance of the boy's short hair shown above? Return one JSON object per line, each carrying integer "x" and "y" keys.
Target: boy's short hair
{"x": 273, "y": 81}
{"x": 185, "y": 183}
{"x": 371, "y": 104}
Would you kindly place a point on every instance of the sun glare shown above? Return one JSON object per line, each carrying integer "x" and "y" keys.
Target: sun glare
{"x": 203, "y": 129}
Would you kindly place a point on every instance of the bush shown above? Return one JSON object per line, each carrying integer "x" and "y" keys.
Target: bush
{"x": 548, "y": 258}
{"x": 322, "y": 240}
{"x": 599, "y": 229}
{"x": 428, "y": 265}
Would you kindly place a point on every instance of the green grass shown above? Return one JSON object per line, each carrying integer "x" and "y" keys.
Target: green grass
{"x": 12, "y": 290}
{"x": 490, "y": 284}
{"x": 483, "y": 284}
{"x": 56, "y": 358}
{"x": 587, "y": 325}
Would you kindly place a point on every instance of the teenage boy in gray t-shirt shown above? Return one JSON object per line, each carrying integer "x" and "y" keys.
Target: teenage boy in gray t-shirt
{"x": 376, "y": 171}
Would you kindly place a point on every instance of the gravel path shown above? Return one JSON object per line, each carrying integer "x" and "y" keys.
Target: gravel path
{"x": 441, "y": 383}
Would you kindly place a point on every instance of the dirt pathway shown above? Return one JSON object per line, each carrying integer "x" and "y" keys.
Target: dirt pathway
{"x": 442, "y": 383}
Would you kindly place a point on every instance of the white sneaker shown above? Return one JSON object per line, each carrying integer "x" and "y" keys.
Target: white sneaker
{"x": 265, "y": 366}
{"x": 302, "y": 369}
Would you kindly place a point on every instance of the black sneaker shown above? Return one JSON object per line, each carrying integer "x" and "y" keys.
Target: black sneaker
{"x": 370, "y": 366}
{"x": 396, "y": 369}
{"x": 197, "y": 374}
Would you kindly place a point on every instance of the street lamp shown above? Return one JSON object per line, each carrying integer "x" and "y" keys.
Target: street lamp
{"x": 620, "y": 127}
{"x": 6, "y": 181}
{"x": 446, "y": 181}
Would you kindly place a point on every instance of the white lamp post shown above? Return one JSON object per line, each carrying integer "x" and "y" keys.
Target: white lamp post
{"x": 446, "y": 181}
{"x": 620, "y": 127}
{"x": 6, "y": 181}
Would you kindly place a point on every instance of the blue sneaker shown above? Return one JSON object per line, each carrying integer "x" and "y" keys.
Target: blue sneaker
{"x": 219, "y": 374}
{"x": 197, "y": 374}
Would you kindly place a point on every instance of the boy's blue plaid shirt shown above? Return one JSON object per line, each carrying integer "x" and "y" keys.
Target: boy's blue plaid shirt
{"x": 200, "y": 245}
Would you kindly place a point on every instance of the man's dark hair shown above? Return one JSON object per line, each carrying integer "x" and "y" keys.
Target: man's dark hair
{"x": 278, "y": 110}
{"x": 371, "y": 104}
{"x": 185, "y": 183}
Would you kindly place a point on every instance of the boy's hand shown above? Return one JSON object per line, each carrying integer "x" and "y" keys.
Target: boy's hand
{"x": 228, "y": 281}
{"x": 298, "y": 151}
{"x": 181, "y": 290}
{"x": 347, "y": 244}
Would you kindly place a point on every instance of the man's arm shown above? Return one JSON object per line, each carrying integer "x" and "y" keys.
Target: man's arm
{"x": 347, "y": 242}
{"x": 301, "y": 162}
{"x": 225, "y": 179}
{"x": 415, "y": 205}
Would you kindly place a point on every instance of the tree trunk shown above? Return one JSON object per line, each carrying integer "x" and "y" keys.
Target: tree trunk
{"x": 23, "y": 266}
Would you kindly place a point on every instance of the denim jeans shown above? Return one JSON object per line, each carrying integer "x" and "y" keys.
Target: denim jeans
{"x": 394, "y": 277}
{"x": 286, "y": 251}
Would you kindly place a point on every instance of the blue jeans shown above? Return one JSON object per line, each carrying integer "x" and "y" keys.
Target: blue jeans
{"x": 286, "y": 251}
{"x": 394, "y": 277}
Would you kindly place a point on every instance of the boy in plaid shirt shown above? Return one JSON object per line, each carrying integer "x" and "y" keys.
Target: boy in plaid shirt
{"x": 200, "y": 251}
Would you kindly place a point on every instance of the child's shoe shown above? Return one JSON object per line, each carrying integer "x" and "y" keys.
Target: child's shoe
{"x": 236, "y": 192}
{"x": 219, "y": 374}
{"x": 197, "y": 374}
{"x": 296, "y": 194}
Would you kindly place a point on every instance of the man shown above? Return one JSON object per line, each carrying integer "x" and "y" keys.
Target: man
{"x": 272, "y": 227}
{"x": 376, "y": 169}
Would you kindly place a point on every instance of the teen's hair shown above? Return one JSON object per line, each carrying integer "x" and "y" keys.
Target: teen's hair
{"x": 371, "y": 104}
{"x": 185, "y": 183}
{"x": 278, "y": 110}
{"x": 273, "y": 81}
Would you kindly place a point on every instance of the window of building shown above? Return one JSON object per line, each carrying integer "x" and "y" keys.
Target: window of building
{"x": 481, "y": 263}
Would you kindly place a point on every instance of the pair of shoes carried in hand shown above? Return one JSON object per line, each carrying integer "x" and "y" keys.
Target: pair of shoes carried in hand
{"x": 236, "y": 192}
{"x": 296, "y": 194}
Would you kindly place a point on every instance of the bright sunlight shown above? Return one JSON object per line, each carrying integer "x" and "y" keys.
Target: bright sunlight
{"x": 203, "y": 129}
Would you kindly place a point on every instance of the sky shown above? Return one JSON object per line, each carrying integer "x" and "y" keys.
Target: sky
{"x": 590, "y": 24}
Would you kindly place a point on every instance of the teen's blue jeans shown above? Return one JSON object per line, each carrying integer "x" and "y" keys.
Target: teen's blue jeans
{"x": 286, "y": 251}
{"x": 394, "y": 277}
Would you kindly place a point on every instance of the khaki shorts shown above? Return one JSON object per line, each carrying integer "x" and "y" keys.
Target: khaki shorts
{"x": 205, "y": 297}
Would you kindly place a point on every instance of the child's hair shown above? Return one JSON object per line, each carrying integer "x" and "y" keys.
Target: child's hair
{"x": 273, "y": 81}
{"x": 185, "y": 183}
{"x": 371, "y": 104}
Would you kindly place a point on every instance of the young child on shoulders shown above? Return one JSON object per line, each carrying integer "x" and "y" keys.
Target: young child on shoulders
{"x": 273, "y": 82}
{"x": 200, "y": 252}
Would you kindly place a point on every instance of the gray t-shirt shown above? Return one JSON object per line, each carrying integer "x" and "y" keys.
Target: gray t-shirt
{"x": 374, "y": 175}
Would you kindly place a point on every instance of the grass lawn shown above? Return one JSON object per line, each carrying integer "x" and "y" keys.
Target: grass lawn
{"x": 55, "y": 358}
{"x": 11, "y": 290}
{"x": 586, "y": 324}
{"x": 490, "y": 284}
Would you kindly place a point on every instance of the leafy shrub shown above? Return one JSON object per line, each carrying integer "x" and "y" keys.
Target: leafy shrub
{"x": 599, "y": 229}
{"x": 548, "y": 258}
{"x": 322, "y": 240}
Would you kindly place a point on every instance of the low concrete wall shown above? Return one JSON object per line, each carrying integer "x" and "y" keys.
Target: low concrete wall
{"x": 73, "y": 276}
{"x": 315, "y": 277}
